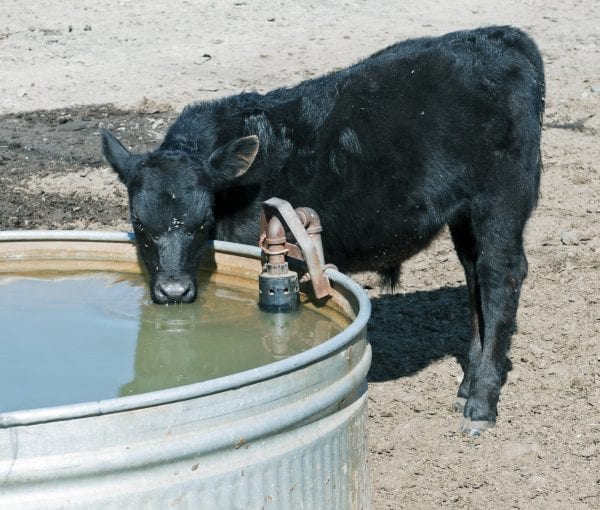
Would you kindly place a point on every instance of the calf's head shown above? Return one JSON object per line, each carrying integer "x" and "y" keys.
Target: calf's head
{"x": 170, "y": 203}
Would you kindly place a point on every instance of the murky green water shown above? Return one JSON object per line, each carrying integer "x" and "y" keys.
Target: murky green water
{"x": 82, "y": 338}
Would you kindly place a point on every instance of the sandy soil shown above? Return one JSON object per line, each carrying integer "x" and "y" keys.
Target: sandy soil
{"x": 70, "y": 67}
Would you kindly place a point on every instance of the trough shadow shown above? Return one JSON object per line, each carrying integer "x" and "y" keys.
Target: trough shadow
{"x": 410, "y": 331}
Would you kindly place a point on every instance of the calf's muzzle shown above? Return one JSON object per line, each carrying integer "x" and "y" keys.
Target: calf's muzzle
{"x": 169, "y": 289}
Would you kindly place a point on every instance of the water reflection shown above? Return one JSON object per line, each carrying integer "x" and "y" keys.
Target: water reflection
{"x": 224, "y": 332}
{"x": 87, "y": 337}
{"x": 285, "y": 334}
{"x": 65, "y": 340}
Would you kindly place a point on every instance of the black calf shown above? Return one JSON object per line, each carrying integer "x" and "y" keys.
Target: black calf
{"x": 425, "y": 133}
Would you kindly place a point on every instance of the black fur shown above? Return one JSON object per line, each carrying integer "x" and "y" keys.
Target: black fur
{"x": 426, "y": 133}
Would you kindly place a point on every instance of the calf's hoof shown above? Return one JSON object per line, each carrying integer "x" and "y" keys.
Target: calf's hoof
{"x": 474, "y": 428}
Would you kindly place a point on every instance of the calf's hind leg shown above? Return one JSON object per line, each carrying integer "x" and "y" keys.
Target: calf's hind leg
{"x": 464, "y": 243}
{"x": 500, "y": 268}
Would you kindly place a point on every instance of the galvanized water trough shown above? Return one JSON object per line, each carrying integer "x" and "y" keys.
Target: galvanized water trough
{"x": 288, "y": 435}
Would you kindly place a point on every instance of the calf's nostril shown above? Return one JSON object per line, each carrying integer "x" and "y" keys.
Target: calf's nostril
{"x": 190, "y": 294}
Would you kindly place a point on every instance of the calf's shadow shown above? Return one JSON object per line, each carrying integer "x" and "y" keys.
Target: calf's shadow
{"x": 410, "y": 331}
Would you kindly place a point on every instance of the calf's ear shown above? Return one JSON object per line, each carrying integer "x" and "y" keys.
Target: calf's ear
{"x": 118, "y": 156}
{"x": 233, "y": 159}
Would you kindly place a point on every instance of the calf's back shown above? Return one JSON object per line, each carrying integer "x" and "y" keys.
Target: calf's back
{"x": 387, "y": 150}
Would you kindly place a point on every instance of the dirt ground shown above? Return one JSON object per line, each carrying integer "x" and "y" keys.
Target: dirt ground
{"x": 68, "y": 68}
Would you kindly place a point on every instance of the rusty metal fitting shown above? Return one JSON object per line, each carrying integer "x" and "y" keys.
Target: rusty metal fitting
{"x": 310, "y": 220}
{"x": 278, "y": 287}
{"x": 312, "y": 224}
{"x": 278, "y": 292}
{"x": 303, "y": 224}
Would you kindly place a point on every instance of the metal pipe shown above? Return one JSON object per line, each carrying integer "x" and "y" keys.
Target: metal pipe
{"x": 312, "y": 223}
{"x": 278, "y": 287}
{"x": 66, "y": 235}
{"x": 310, "y": 252}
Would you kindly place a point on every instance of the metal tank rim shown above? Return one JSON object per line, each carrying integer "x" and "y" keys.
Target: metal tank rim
{"x": 191, "y": 391}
